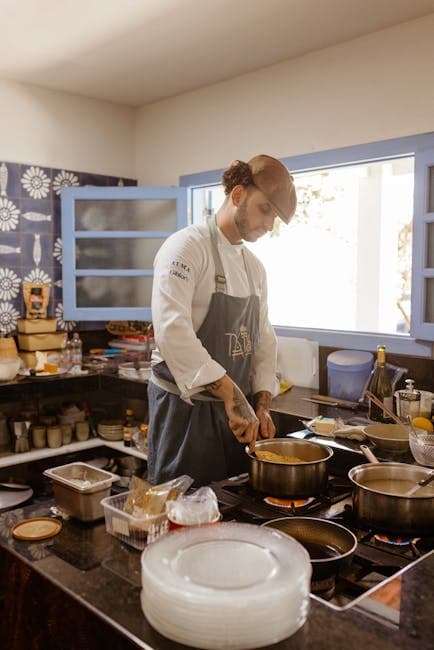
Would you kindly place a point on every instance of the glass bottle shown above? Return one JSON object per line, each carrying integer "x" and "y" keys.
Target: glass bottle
{"x": 381, "y": 387}
{"x": 129, "y": 427}
{"x": 76, "y": 351}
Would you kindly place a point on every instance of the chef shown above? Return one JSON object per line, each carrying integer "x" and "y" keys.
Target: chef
{"x": 214, "y": 367}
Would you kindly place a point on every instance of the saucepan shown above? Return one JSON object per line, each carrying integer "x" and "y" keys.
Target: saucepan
{"x": 380, "y": 502}
{"x": 329, "y": 544}
{"x": 306, "y": 475}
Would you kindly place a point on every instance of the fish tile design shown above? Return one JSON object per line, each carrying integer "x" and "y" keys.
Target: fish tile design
{"x": 30, "y": 235}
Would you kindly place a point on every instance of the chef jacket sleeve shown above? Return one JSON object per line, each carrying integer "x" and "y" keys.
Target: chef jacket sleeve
{"x": 176, "y": 269}
{"x": 264, "y": 367}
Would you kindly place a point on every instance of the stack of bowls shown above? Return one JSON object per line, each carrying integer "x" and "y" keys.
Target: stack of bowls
{"x": 110, "y": 429}
{"x": 229, "y": 585}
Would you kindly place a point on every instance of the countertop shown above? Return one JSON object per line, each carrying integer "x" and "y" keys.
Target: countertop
{"x": 96, "y": 573}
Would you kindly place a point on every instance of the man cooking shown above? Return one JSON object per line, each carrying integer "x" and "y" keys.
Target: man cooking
{"x": 216, "y": 349}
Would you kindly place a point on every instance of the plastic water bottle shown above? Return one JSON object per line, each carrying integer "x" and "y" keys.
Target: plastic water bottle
{"x": 66, "y": 358}
{"x": 76, "y": 351}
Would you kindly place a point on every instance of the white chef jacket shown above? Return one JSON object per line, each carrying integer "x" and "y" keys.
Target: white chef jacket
{"x": 184, "y": 280}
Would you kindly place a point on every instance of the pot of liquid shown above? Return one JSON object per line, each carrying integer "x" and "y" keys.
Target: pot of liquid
{"x": 380, "y": 502}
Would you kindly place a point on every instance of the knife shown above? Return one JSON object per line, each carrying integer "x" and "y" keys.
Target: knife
{"x": 332, "y": 401}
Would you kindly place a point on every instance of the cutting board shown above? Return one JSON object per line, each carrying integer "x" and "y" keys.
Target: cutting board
{"x": 297, "y": 361}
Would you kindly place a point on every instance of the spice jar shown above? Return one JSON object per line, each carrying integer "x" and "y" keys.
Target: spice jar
{"x": 66, "y": 430}
{"x": 82, "y": 431}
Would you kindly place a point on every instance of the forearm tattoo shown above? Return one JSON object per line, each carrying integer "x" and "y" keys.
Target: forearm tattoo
{"x": 241, "y": 406}
{"x": 262, "y": 400}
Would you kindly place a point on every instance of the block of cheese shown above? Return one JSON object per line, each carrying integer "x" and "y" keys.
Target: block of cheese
{"x": 36, "y": 326}
{"x": 324, "y": 425}
{"x": 37, "y": 360}
{"x": 32, "y": 342}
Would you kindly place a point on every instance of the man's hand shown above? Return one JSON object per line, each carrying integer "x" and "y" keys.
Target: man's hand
{"x": 262, "y": 401}
{"x": 241, "y": 417}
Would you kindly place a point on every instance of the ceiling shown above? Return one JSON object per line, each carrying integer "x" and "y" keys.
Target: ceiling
{"x": 137, "y": 51}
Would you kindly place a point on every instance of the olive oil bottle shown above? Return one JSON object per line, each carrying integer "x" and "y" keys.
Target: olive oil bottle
{"x": 381, "y": 387}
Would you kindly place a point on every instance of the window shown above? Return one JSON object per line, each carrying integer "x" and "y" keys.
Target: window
{"x": 341, "y": 271}
{"x": 110, "y": 239}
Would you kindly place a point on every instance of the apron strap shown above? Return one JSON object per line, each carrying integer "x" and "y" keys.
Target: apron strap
{"x": 220, "y": 278}
{"x": 170, "y": 387}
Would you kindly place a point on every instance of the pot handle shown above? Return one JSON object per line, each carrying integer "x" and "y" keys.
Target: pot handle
{"x": 369, "y": 454}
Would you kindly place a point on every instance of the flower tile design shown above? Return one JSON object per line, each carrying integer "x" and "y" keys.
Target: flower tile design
{"x": 36, "y": 182}
{"x": 30, "y": 235}
{"x": 64, "y": 179}
{"x": 9, "y": 214}
{"x": 9, "y": 284}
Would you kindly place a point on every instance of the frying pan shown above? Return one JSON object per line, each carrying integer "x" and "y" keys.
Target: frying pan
{"x": 329, "y": 544}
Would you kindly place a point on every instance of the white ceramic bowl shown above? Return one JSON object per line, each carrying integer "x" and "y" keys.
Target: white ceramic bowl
{"x": 9, "y": 368}
{"x": 422, "y": 447}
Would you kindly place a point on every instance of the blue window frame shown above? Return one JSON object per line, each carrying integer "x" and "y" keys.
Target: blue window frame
{"x": 422, "y": 300}
{"x": 110, "y": 237}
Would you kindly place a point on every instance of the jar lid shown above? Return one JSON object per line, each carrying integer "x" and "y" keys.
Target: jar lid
{"x": 37, "y": 291}
{"x": 350, "y": 360}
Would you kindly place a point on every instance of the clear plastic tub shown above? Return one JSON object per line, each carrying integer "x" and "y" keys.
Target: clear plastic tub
{"x": 134, "y": 531}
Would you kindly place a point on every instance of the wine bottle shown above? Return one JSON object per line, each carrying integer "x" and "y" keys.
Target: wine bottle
{"x": 381, "y": 387}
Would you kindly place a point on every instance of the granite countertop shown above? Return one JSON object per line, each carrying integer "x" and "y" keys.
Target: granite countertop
{"x": 102, "y": 575}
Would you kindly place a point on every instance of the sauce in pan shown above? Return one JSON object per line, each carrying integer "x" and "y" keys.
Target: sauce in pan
{"x": 397, "y": 487}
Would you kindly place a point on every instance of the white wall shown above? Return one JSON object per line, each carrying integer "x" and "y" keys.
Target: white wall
{"x": 57, "y": 129}
{"x": 373, "y": 88}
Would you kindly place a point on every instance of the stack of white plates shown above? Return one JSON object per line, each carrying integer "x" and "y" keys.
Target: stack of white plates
{"x": 111, "y": 429}
{"x": 229, "y": 585}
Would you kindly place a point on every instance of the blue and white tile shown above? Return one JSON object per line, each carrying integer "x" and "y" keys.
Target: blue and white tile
{"x": 37, "y": 251}
{"x": 9, "y": 313}
{"x": 36, "y": 181}
{"x": 10, "y": 249}
{"x": 10, "y": 175}
{"x": 62, "y": 178}
{"x": 9, "y": 215}
{"x": 36, "y": 215}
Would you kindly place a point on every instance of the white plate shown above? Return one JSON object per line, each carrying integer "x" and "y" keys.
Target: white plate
{"x": 208, "y": 586}
{"x": 9, "y": 498}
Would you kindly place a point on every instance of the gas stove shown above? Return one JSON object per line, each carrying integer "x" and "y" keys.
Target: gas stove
{"x": 371, "y": 580}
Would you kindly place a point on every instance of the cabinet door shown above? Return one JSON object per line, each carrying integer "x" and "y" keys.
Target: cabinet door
{"x": 110, "y": 238}
{"x": 422, "y": 320}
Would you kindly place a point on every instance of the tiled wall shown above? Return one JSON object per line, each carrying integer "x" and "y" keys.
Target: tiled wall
{"x": 30, "y": 235}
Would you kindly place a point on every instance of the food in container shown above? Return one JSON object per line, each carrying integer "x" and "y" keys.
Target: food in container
{"x": 195, "y": 509}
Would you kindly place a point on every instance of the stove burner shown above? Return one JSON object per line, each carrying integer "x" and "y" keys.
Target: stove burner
{"x": 324, "y": 588}
{"x": 395, "y": 541}
{"x": 290, "y": 504}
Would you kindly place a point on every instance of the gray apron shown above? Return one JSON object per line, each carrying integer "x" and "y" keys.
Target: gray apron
{"x": 196, "y": 439}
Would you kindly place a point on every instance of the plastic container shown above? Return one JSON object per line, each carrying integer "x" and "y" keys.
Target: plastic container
{"x": 348, "y": 372}
{"x": 134, "y": 531}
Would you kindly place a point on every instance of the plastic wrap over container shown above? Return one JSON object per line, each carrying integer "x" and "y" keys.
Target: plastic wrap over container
{"x": 195, "y": 509}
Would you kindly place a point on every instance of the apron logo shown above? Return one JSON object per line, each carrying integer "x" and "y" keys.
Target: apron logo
{"x": 239, "y": 345}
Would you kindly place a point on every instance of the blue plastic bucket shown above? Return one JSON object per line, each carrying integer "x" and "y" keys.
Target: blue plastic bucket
{"x": 347, "y": 373}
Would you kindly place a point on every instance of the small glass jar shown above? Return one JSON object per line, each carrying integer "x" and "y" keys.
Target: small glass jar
{"x": 66, "y": 430}
{"x": 82, "y": 431}
{"x": 39, "y": 436}
{"x": 54, "y": 436}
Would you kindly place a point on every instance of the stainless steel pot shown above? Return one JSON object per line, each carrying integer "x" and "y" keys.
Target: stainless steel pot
{"x": 305, "y": 479}
{"x": 392, "y": 513}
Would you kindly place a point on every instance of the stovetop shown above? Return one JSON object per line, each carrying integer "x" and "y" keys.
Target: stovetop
{"x": 376, "y": 565}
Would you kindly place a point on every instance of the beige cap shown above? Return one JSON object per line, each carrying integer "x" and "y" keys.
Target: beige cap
{"x": 275, "y": 181}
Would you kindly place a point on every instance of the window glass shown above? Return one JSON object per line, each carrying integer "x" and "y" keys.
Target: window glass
{"x": 344, "y": 261}
{"x": 131, "y": 214}
{"x": 138, "y": 253}
{"x": 103, "y": 291}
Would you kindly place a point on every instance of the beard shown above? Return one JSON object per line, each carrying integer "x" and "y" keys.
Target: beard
{"x": 242, "y": 224}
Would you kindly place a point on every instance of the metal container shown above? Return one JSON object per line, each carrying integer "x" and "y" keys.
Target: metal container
{"x": 304, "y": 479}
{"x": 78, "y": 489}
{"x": 392, "y": 513}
